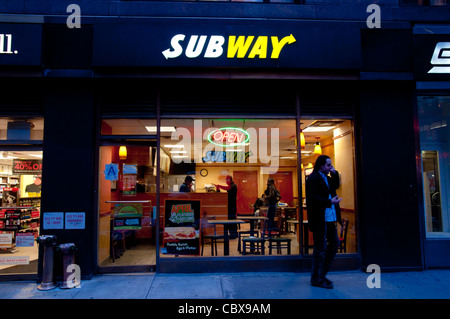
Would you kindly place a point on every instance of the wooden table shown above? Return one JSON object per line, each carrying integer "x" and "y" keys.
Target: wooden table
{"x": 226, "y": 239}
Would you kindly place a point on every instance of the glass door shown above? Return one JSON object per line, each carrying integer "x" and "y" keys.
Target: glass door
{"x": 432, "y": 193}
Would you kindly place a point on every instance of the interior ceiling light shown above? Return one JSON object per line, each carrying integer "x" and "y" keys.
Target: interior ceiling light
{"x": 123, "y": 152}
{"x": 317, "y": 148}
{"x": 163, "y": 129}
{"x": 302, "y": 139}
{"x": 174, "y": 146}
{"x": 318, "y": 129}
{"x": 322, "y": 125}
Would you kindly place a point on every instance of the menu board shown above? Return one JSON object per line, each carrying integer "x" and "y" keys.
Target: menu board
{"x": 128, "y": 216}
{"x": 182, "y": 227}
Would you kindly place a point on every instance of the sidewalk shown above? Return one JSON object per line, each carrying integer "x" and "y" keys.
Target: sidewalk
{"x": 429, "y": 284}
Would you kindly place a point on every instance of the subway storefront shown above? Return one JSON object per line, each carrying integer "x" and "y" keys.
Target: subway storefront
{"x": 124, "y": 125}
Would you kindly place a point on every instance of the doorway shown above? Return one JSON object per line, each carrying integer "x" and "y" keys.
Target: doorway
{"x": 247, "y": 185}
{"x": 127, "y": 223}
{"x": 283, "y": 182}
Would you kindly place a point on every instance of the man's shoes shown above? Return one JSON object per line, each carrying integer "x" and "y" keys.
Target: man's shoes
{"x": 324, "y": 283}
{"x": 328, "y": 281}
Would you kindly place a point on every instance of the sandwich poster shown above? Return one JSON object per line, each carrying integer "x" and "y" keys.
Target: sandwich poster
{"x": 182, "y": 227}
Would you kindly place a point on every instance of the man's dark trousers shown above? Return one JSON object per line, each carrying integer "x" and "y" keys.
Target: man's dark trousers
{"x": 326, "y": 244}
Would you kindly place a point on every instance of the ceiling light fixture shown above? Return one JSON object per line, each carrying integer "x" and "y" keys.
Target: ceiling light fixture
{"x": 302, "y": 139}
{"x": 318, "y": 129}
{"x": 163, "y": 129}
{"x": 123, "y": 152}
{"x": 317, "y": 148}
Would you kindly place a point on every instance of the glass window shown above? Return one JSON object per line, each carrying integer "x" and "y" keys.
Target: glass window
{"x": 20, "y": 190}
{"x": 214, "y": 192}
{"x": 332, "y": 137}
{"x": 128, "y": 127}
{"x": 434, "y": 114}
{"x": 214, "y": 177}
{"x": 14, "y": 129}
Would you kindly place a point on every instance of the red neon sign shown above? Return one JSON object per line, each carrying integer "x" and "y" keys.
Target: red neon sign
{"x": 228, "y": 136}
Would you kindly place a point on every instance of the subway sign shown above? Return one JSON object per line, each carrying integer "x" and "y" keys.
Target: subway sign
{"x": 233, "y": 46}
{"x": 432, "y": 52}
{"x": 226, "y": 43}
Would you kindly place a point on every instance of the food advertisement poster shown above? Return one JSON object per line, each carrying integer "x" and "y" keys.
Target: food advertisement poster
{"x": 128, "y": 216}
{"x": 182, "y": 227}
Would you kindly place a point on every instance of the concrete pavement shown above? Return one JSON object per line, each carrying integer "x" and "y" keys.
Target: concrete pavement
{"x": 429, "y": 284}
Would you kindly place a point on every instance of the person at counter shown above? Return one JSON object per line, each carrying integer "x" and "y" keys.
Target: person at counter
{"x": 231, "y": 188}
{"x": 186, "y": 187}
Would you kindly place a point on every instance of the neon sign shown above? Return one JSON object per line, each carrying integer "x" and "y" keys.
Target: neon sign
{"x": 228, "y": 136}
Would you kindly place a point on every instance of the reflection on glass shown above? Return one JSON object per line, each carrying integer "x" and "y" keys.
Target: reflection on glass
{"x": 20, "y": 189}
{"x": 127, "y": 229}
{"x": 336, "y": 140}
{"x": 434, "y": 133}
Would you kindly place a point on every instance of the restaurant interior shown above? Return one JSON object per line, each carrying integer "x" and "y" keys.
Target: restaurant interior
{"x": 210, "y": 150}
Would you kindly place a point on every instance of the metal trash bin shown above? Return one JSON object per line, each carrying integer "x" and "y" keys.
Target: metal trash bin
{"x": 68, "y": 258}
{"x": 48, "y": 281}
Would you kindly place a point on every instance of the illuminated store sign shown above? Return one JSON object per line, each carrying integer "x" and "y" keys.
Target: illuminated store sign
{"x": 6, "y": 44}
{"x": 228, "y": 136}
{"x": 20, "y": 44}
{"x": 431, "y": 54}
{"x": 236, "y": 47}
{"x": 226, "y": 157}
{"x": 441, "y": 58}
{"x": 226, "y": 43}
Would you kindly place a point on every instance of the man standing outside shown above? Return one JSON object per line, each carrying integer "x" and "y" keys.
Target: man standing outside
{"x": 323, "y": 212}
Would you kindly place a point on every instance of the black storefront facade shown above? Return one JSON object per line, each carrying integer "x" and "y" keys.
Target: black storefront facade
{"x": 114, "y": 69}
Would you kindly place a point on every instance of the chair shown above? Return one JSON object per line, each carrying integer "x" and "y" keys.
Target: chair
{"x": 290, "y": 213}
{"x": 276, "y": 241}
{"x": 242, "y": 232}
{"x": 256, "y": 245}
{"x": 210, "y": 238}
{"x": 117, "y": 246}
{"x": 343, "y": 236}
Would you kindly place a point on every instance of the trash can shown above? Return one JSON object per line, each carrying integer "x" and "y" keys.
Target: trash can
{"x": 48, "y": 281}
{"x": 68, "y": 259}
